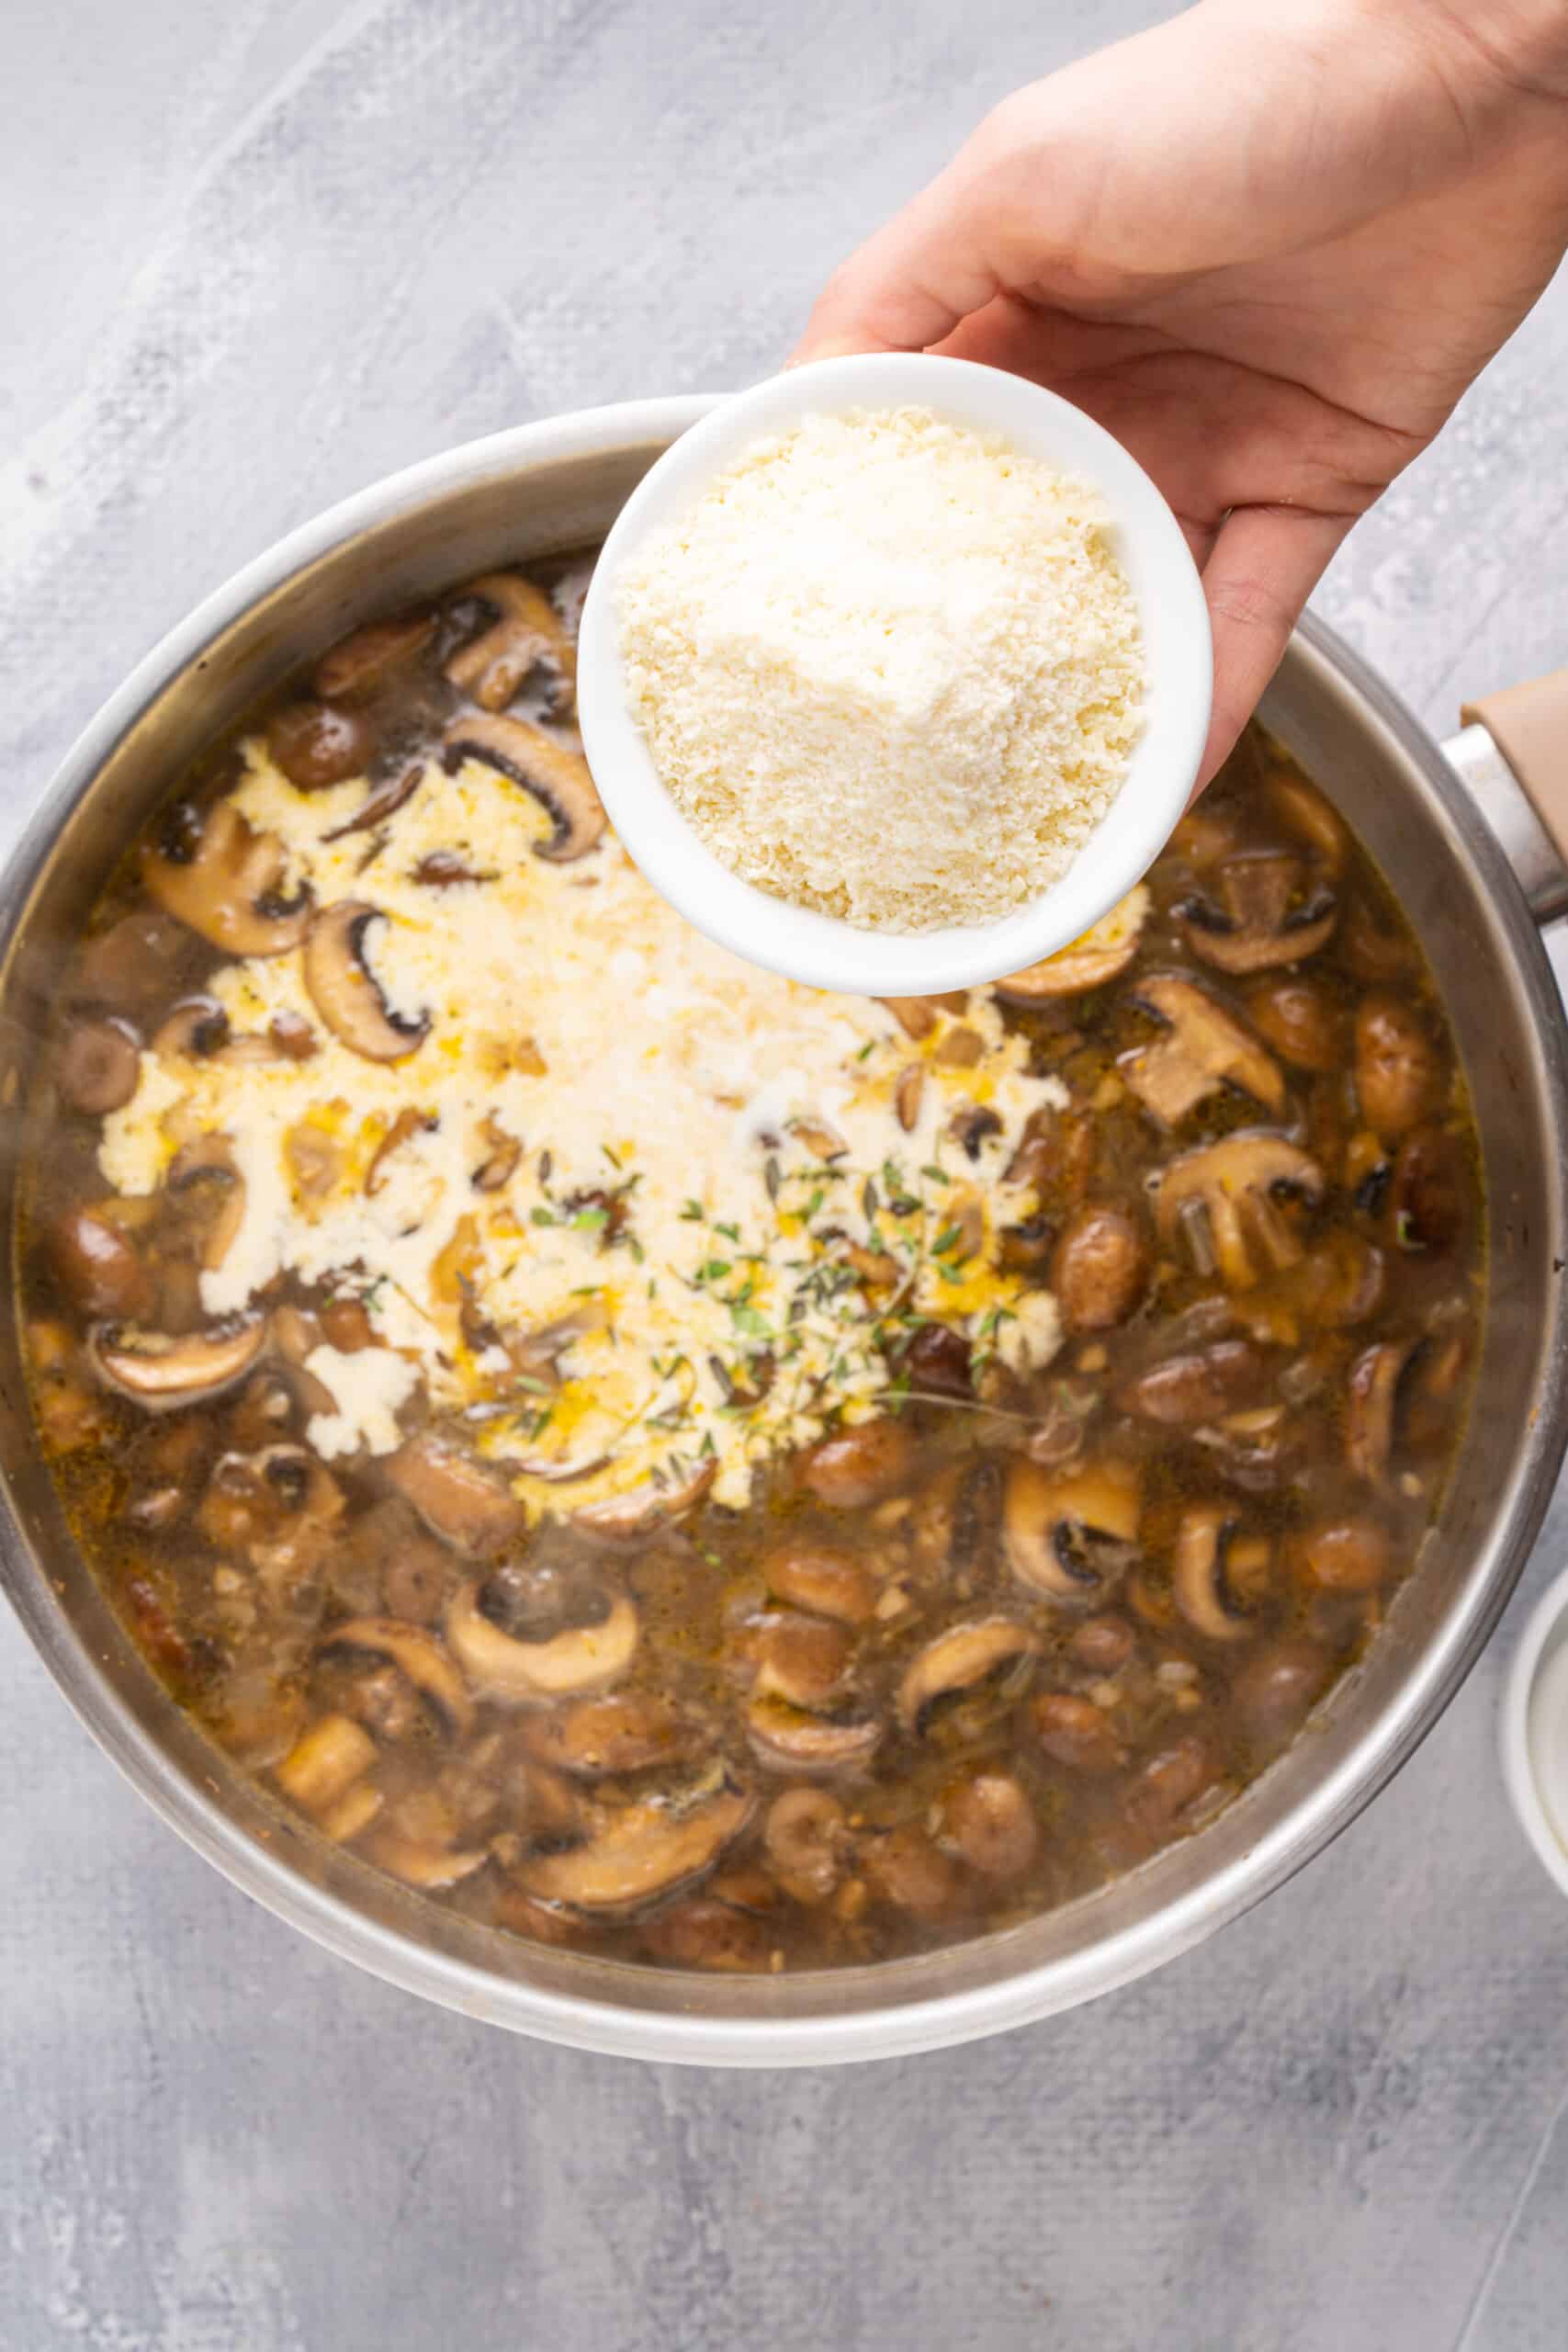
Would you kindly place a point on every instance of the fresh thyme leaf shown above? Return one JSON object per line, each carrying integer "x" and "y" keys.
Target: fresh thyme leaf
{"x": 543, "y": 1216}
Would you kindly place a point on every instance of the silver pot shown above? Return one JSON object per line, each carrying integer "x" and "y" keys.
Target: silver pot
{"x": 551, "y": 485}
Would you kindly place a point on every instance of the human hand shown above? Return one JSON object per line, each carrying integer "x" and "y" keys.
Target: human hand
{"x": 1267, "y": 248}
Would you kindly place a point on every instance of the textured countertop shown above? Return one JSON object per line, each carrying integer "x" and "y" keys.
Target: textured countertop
{"x": 259, "y": 254}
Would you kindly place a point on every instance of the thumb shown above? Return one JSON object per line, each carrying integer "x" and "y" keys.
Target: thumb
{"x": 927, "y": 268}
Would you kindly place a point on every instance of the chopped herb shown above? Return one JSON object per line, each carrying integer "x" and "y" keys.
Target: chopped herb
{"x": 708, "y": 1447}
{"x": 542, "y": 1216}
{"x": 730, "y": 1232}
{"x": 814, "y": 1203}
{"x": 614, "y": 1158}
{"x": 526, "y": 1381}
{"x": 714, "y": 1270}
{"x": 946, "y": 1239}
{"x": 746, "y": 1319}
{"x": 1405, "y": 1230}
{"x": 770, "y": 1177}
{"x": 868, "y": 1199}
{"x": 590, "y": 1220}
{"x": 937, "y": 1175}
{"x": 546, "y": 1166}
{"x": 638, "y": 1253}
{"x": 692, "y": 1213}
{"x": 865, "y": 1049}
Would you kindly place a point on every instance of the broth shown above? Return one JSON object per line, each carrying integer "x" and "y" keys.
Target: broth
{"x": 670, "y": 1464}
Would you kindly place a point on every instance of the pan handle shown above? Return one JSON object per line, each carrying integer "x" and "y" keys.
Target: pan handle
{"x": 1513, "y": 754}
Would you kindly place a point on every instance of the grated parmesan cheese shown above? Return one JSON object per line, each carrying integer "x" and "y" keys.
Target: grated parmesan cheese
{"x": 888, "y": 668}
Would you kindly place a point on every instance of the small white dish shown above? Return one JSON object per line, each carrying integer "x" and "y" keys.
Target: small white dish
{"x": 1533, "y": 1730}
{"x": 817, "y": 948}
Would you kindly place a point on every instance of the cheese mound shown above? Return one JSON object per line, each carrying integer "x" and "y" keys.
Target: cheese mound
{"x": 887, "y": 668}
{"x": 632, "y": 1206}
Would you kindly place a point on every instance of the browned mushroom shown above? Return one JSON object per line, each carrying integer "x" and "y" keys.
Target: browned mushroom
{"x": 1296, "y": 1015}
{"x": 1277, "y": 1686}
{"x": 808, "y": 1840}
{"x": 526, "y": 636}
{"x": 130, "y": 969}
{"x": 96, "y": 1065}
{"x": 383, "y": 800}
{"x": 1399, "y": 1073}
{"x": 906, "y": 1097}
{"x": 417, "y": 1655}
{"x": 515, "y": 1671}
{"x": 1099, "y": 957}
{"x": 204, "y": 1170}
{"x": 345, "y": 992}
{"x": 1432, "y": 1194}
{"x": 225, "y": 882}
{"x": 707, "y": 1934}
{"x": 798, "y": 1658}
{"x": 643, "y": 1851}
{"x": 1302, "y": 809}
{"x": 1223, "y": 1198}
{"x": 420, "y": 1863}
{"x": 626, "y": 1731}
{"x": 1370, "y": 1409}
{"x": 822, "y": 1579}
{"x": 323, "y": 1764}
{"x": 861, "y": 1465}
{"x": 1070, "y": 1538}
{"x": 360, "y": 664}
{"x": 460, "y": 1498}
{"x": 557, "y": 778}
{"x": 917, "y": 1015}
{"x": 1196, "y": 1385}
{"x": 1204, "y": 1049}
{"x": 803, "y": 1739}
{"x": 907, "y": 1868}
{"x": 1350, "y": 1555}
{"x": 96, "y": 1265}
{"x": 161, "y": 1373}
{"x": 1098, "y": 1268}
{"x": 653, "y": 1503}
{"x": 1218, "y": 1574}
{"x": 317, "y": 746}
{"x": 1270, "y": 911}
{"x": 1073, "y": 1732}
{"x": 989, "y": 1819}
{"x": 988, "y": 1651}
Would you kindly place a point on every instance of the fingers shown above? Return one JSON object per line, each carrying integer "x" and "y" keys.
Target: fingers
{"x": 1266, "y": 562}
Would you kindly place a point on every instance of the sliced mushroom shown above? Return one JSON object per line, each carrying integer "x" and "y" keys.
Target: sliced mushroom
{"x": 193, "y": 1029}
{"x": 1075, "y": 1733}
{"x": 383, "y": 801}
{"x": 1217, "y": 1574}
{"x": 798, "y": 1658}
{"x": 642, "y": 1509}
{"x": 521, "y": 1673}
{"x": 709, "y": 1934}
{"x": 409, "y": 1123}
{"x": 225, "y": 882}
{"x": 1222, "y": 1198}
{"x": 986, "y": 1649}
{"x": 343, "y": 991}
{"x": 917, "y": 1015}
{"x": 1070, "y": 1538}
{"x": 208, "y": 1163}
{"x": 527, "y": 635}
{"x": 324, "y": 1762}
{"x": 161, "y": 1373}
{"x": 501, "y": 1154}
{"x": 1204, "y": 1049}
{"x": 1271, "y": 911}
{"x": 96, "y": 1065}
{"x": 906, "y": 1095}
{"x": 359, "y": 665}
{"x": 628, "y": 1732}
{"x": 806, "y": 1836}
{"x": 642, "y": 1852}
{"x": 1302, "y": 809}
{"x": 558, "y": 779}
{"x": 795, "y": 1739}
{"x": 416, "y": 1653}
{"x": 1099, "y": 957}
{"x": 1370, "y": 1409}
{"x": 462, "y": 1499}
{"x": 418, "y": 1862}
{"x": 1345, "y": 1555}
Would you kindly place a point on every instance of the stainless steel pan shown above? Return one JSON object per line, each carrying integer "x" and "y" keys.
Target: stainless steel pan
{"x": 1475, "y": 868}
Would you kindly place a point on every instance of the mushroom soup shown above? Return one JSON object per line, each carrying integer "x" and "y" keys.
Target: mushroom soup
{"x": 675, "y": 1463}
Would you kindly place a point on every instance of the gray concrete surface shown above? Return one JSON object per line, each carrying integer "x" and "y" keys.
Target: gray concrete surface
{"x": 256, "y": 256}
